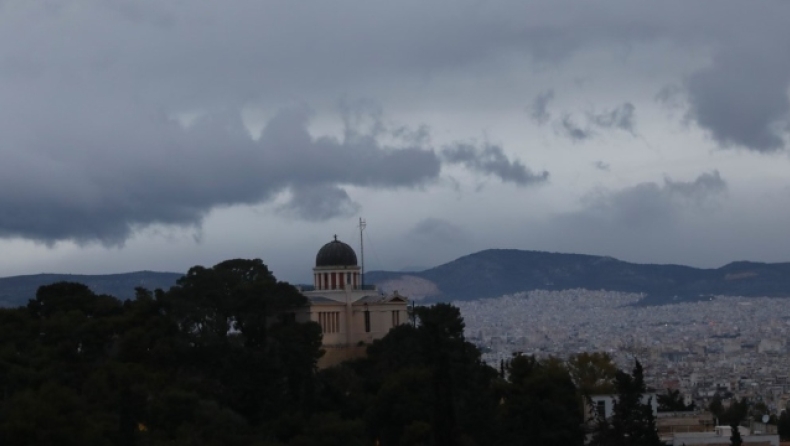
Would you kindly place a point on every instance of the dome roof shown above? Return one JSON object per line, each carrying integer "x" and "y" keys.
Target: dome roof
{"x": 336, "y": 253}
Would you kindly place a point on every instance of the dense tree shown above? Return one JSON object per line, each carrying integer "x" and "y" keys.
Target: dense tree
{"x": 632, "y": 422}
{"x": 220, "y": 359}
{"x": 239, "y": 343}
{"x": 672, "y": 401}
{"x": 206, "y": 362}
{"x": 456, "y": 398}
{"x": 539, "y": 405}
{"x": 593, "y": 373}
{"x": 734, "y": 413}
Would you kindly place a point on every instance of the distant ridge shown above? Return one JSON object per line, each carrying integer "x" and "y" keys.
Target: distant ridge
{"x": 492, "y": 273}
{"x": 17, "y": 290}
{"x": 495, "y": 272}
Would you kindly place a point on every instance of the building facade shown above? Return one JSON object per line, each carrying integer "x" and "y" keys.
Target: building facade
{"x": 351, "y": 314}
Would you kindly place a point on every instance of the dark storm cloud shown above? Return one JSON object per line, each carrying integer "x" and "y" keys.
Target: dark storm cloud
{"x": 74, "y": 182}
{"x": 88, "y": 90}
{"x": 491, "y": 160}
{"x": 742, "y": 98}
{"x": 540, "y": 107}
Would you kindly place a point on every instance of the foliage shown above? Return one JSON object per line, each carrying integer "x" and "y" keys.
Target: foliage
{"x": 429, "y": 375}
{"x": 737, "y": 410}
{"x": 632, "y": 422}
{"x": 203, "y": 363}
{"x": 672, "y": 401}
{"x": 593, "y": 373}
{"x": 221, "y": 359}
{"x": 539, "y": 404}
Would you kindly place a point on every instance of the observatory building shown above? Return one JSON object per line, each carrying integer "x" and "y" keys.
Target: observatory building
{"x": 351, "y": 314}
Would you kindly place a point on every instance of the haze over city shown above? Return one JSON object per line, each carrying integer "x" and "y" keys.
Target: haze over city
{"x": 160, "y": 135}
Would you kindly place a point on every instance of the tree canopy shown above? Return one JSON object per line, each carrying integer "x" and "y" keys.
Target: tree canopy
{"x": 220, "y": 359}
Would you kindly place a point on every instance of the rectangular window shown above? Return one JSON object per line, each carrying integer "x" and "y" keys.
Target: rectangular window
{"x": 367, "y": 321}
{"x": 348, "y": 278}
{"x": 329, "y": 321}
{"x": 334, "y": 281}
{"x": 395, "y": 318}
{"x": 600, "y": 408}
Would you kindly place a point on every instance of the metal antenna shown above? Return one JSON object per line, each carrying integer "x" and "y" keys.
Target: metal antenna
{"x": 362, "y": 226}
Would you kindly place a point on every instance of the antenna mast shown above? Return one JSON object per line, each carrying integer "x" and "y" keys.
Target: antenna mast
{"x": 362, "y": 226}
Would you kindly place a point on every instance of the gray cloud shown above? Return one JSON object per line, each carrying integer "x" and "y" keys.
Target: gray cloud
{"x": 88, "y": 90}
{"x": 141, "y": 168}
{"x": 437, "y": 230}
{"x": 319, "y": 202}
{"x": 742, "y": 98}
{"x": 649, "y": 204}
{"x": 621, "y": 118}
{"x": 569, "y": 128}
{"x": 702, "y": 187}
{"x": 206, "y": 55}
{"x": 600, "y": 165}
{"x": 491, "y": 160}
{"x": 539, "y": 109}
{"x": 701, "y": 221}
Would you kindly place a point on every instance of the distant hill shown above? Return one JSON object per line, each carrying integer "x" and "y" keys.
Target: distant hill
{"x": 495, "y": 272}
{"x": 492, "y": 273}
{"x": 17, "y": 290}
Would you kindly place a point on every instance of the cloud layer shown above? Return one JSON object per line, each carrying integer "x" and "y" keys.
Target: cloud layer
{"x": 82, "y": 184}
{"x": 491, "y": 160}
{"x": 94, "y": 96}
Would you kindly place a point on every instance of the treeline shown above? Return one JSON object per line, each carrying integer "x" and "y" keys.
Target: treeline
{"x": 219, "y": 359}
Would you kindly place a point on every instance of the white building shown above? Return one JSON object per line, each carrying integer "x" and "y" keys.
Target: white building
{"x": 603, "y": 405}
{"x": 350, "y": 313}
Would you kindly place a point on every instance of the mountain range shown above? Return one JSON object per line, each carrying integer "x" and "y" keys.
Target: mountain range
{"x": 496, "y": 272}
{"x": 492, "y": 273}
{"x": 17, "y": 290}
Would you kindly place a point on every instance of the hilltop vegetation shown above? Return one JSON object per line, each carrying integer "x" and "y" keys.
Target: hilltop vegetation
{"x": 17, "y": 290}
{"x": 218, "y": 359}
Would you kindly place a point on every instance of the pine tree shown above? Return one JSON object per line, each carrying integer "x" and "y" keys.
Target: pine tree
{"x": 632, "y": 422}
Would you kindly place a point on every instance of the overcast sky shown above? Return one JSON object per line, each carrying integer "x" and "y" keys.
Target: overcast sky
{"x": 158, "y": 135}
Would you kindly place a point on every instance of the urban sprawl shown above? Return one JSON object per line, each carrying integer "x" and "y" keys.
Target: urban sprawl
{"x": 719, "y": 345}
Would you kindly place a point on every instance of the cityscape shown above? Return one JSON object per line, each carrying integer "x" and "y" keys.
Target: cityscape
{"x": 717, "y": 345}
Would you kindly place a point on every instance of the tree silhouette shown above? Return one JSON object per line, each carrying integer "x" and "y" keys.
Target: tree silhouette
{"x": 632, "y": 422}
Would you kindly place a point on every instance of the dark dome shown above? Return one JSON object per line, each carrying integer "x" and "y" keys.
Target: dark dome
{"x": 336, "y": 253}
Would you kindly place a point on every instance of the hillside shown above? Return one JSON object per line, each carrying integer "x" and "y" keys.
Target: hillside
{"x": 17, "y": 290}
{"x": 495, "y": 272}
{"x": 492, "y": 273}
